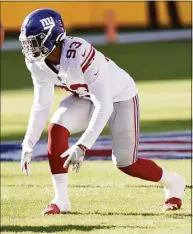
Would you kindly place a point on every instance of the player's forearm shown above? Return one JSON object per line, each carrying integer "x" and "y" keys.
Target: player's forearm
{"x": 37, "y": 122}
{"x": 100, "y": 95}
{"x": 43, "y": 96}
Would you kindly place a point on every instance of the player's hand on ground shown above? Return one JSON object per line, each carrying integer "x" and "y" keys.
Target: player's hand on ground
{"x": 75, "y": 156}
{"x": 26, "y": 158}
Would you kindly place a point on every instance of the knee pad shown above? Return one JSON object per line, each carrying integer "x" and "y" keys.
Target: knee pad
{"x": 122, "y": 158}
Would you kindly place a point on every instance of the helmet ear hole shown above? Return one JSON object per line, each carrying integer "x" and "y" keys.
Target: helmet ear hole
{"x": 41, "y": 36}
{"x": 45, "y": 50}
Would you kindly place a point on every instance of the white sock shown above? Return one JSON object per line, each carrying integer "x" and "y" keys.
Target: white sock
{"x": 60, "y": 183}
{"x": 167, "y": 178}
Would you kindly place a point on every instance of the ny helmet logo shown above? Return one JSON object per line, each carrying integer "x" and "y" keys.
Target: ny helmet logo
{"x": 47, "y": 23}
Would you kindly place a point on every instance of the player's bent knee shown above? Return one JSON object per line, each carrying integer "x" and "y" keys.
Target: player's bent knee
{"x": 58, "y": 117}
{"x": 121, "y": 158}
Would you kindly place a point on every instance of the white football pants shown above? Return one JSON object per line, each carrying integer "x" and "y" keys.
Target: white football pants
{"x": 74, "y": 113}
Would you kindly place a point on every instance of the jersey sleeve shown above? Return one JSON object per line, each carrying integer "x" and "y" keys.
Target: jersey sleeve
{"x": 102, "y": 100}
{"x": 85, "y": 70}
{"x": 86, "y": 56}
{"x": 43, "y": 96}
{"x": 98, "y": 89}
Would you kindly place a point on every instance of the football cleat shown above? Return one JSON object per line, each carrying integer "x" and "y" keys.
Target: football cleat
{"x": 172, "y": 203}
{"x": 53, "y": 209}
{"x": 174, "y": 192}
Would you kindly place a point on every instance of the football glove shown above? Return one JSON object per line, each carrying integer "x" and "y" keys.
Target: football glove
{"x": 26, "y": 157}
{"x": 75, "y": 156}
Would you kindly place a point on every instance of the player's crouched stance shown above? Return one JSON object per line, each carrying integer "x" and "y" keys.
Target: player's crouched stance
{"x": 101, "y": 92}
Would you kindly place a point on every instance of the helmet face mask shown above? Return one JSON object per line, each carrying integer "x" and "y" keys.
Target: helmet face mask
{"x": 33, "y": 48}
{"x": 41, "y": 31}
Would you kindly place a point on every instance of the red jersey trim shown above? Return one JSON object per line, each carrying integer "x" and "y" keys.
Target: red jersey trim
{"x": 88, "y": 63}
{"x": 91, "y": 48}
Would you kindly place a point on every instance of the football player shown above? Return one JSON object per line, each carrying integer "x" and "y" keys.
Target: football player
{"x": 101, "y": 92}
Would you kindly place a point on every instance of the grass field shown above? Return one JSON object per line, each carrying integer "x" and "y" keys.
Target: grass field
{"x": 103, "y": 201}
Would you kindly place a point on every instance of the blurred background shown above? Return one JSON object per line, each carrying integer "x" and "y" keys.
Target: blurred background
{"x": 150, "y": 40}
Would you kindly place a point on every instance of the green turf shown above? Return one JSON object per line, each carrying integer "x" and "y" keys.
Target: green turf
{"x": 104, "y": 201}
{"x": 144, "y": 61}
{"x": 164, "y": 106}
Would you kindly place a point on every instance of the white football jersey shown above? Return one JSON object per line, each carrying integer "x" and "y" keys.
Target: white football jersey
{"x": 80, "y": 64}
{"x": 85, "y": 72}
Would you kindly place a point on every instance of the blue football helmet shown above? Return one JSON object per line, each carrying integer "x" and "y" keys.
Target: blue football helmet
{"x": 41, "y": 31}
